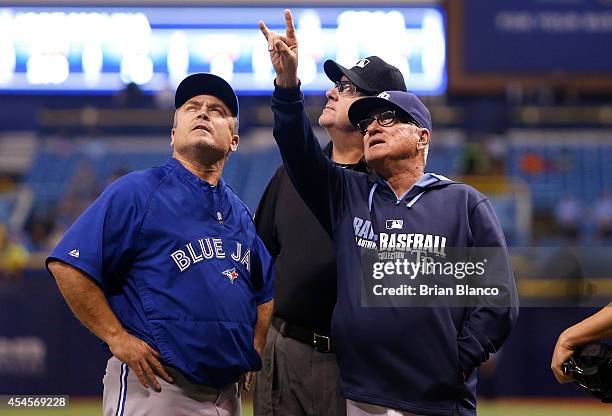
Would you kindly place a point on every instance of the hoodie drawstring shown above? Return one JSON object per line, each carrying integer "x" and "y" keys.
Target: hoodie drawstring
{"x": 371, "y": 197}
{"x": 414, "y": 200}
{"x": 408, "y": 205}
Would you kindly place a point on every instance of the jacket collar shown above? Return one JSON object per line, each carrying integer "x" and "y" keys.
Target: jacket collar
{"x": 186, "y": 173}
{"x": 426, "y": 182}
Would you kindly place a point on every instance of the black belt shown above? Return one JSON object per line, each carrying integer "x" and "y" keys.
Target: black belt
{"x": 321, "y": 343}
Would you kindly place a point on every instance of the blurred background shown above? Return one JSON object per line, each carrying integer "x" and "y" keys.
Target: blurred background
{"x": 520, "y": 94}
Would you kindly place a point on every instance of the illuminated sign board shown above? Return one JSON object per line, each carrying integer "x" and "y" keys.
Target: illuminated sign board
{"x": 95, "y": 49}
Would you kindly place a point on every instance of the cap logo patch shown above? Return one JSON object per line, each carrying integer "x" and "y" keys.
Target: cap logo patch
{"x": 362, "y": 62}
{"x": 384, "y": 95}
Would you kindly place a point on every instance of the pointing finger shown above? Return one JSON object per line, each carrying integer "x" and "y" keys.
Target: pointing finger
{"x": 269, "y": 35}
{"x": 289, "y": 28}
{"x": 264, "y": 29}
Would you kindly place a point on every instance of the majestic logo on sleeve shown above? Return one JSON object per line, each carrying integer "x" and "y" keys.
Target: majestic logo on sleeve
{"x": 74, "y": 253}
{"x": 206, "y": 249}
{"x": 231, "y": 274}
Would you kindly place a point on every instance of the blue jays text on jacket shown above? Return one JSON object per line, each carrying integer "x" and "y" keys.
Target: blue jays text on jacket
{"x": 412, "y": 359}
{"x": 181, "y": 266}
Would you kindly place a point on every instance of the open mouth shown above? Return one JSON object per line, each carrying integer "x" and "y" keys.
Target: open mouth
{"x": 374, "y": 142}
{"x": 201, "y": 127}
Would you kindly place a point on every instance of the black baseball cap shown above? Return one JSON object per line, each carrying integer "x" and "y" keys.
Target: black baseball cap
{"x": 207, "y": 84}
{"x": 405, "y": 102}
{"x": 371, "y": 75}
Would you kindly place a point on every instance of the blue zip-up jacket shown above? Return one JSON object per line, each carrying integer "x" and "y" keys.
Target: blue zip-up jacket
{"x": 181, "y": 266}
{"x": 411, "y": 359}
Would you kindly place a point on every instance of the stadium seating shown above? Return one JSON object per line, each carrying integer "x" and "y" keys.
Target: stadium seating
{"x": 555, "y": 164}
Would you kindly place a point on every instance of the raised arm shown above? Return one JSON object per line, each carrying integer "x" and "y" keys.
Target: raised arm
{"x": 283, "y": 52}
{"x": 314, "y": 176}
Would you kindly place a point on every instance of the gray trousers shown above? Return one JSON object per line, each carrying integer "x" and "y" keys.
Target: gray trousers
{"x": 124, "y": 395}
{"x": 296, "y": 380}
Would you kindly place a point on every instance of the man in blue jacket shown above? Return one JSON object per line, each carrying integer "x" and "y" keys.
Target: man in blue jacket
{"x": 417, "y": 360}
{"x": 167, "y": 269}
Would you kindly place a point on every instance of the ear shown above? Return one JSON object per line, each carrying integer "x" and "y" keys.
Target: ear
{"x": 234, "y": 143}
{"x": 172, "y": 134}
{"x": 423, "y": 139}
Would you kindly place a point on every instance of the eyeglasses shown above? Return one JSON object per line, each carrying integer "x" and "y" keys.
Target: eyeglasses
{"x": 345, "y": 87}
{"x": 386, "y": 118}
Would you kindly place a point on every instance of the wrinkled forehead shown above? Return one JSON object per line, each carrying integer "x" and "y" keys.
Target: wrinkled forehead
{"x": 206, "y": 101}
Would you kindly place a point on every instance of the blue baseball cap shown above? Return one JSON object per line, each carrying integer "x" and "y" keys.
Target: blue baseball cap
{"x": 206, "y": 84}
{"x": 405, "y": 102}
